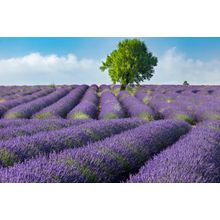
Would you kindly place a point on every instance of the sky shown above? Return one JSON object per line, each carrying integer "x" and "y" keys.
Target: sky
{"x": 31, "y": 61}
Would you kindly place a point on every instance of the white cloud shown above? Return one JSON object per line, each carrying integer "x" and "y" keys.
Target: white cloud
{"x": 173, "y": 68}
{"x": 38, "y": 69}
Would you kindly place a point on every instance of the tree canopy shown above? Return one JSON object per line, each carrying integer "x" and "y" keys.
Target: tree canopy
{"x": 130, "y": 63}
{"x": 185, "y": 83}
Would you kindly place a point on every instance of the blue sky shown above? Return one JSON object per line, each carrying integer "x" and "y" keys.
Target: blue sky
{"x": 96, "y": 48}
{"x": 76, "y": 60}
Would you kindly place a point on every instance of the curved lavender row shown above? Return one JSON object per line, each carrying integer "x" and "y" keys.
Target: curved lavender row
{"x": 5, "y": 123}
{"x": 22, "y": 93}
{"x": 63, "y": 106}
{"x": 28, "y": 93}
{"x": 37, "y": 126}
{"x": 195, "y": 158}
{"x": 207, "y": 111}
{"x": 134, "y": 107}
{"x": 170, "y": 108}
{"x": 88, "y": 106}
{"x": 29, "y": 97}
{"x": 15, "y": 102}
{"x": 13, "y": 123}
{"x": 19, "y": 90}
{"x": 110, "y": 106}
{"x": 7, "y": 90}
{"x": 25, "y": 147}
{"x": 110, "y": 160}
{"x": 28, "y": 109}
{"x": 176, "y": 112}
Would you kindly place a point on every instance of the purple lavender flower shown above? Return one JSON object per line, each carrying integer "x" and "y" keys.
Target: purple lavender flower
{"x": 60, "y": 108}
{"x": 25, "y": 147}
{"x": 87, "y": 108}
{"x": 194, "y": 158}
{"x": 134, "y": 107}
{"x": 5, "y": 123}
{"x": 110, "y": 106}
{"x": 28, "y": 109}
{"x": 30, "y": 127}
{"x": 110, "y": 160}
{"x": 5, "y": 106}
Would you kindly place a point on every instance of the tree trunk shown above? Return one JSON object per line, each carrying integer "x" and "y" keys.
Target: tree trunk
{"x": 123, "y": 87}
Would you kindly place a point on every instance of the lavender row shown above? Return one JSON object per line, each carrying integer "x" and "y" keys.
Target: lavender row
{"x": 15, "y": 102}
{"x": 25, "y": 147}
{"x": 87, "y": 108}
{"x": 22, "y": 93}
{"x": 28, "y": 109}
{"x": 192, "y": 105}
{"x": 167, "y": 107}
{"x": 5, "y": 123}
{"x": 110, "y": 106}
{"x": 110, "y": 160}
{"x": 29, "y": 97}
{"x": 63, "y": 106}
{"x": 11, "y": 90}
{"x": 36, "y": 126}
{"x": 16, "y": 123}
{"x": 195, "y": 158}
{"x": 134, "y": 107}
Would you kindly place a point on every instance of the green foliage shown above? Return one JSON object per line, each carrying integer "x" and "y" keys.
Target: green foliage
{"x": 7, "y": 158}
{"x": 116, "y": 91}
{"x": 85, "y": 171}
{"x": 185, "y": 118}
{"x": 185, "y": 83}
{"x": 131, "y": 90}
{"x": 111, "y": 116}
{"x": 43, "y": 115}
{"x": 80, "y": 115}
{"x": 69, "y": 161}
{"x": 130, "y": 63}
{"x": 149, "y": 92}
{"x": 88, "y": 173}
{"x": 13, "y": 115}
{"x": 146, "y": 116}
{"x": 146, "y": 100}
{"x": 52, "y": 85}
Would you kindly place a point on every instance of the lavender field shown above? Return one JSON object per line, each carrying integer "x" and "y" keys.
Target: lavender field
{"x": 81, "y": 133}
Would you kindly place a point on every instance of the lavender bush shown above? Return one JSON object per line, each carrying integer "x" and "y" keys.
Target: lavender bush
{"x": 5, "y": 106}
{"x": 87, "y": 108}
{"x": 134, "y": 107}
{"x": 35, "y": 126}
{"x": 63, "y": 106}
{"x": 194, "y": 158}
{"x": 112, "y": 141}
{"x": 110, "y": 106}
{"x": 24, "y": 147}
{"x": 110, "y": 160}
{"x": 28, "y": 109}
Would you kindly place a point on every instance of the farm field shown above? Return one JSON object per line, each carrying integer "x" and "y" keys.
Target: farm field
{"x": 81, "y": 133}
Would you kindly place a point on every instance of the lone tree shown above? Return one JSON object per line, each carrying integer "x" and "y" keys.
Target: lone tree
{"x": 130, "y": 63}
{"x": 185, "y": 83}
